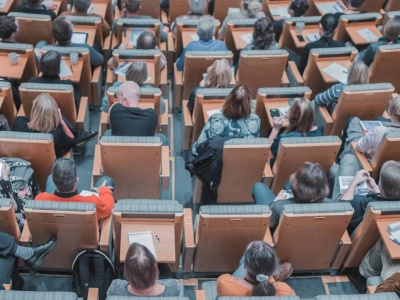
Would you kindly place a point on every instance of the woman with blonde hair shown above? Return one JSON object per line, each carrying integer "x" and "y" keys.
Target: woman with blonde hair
{"x": 218, "y": 75}
{"x": 357, "y": 74}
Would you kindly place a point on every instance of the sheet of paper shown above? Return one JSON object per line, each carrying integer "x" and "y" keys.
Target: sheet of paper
{"x": 284, "y": 110}
{"x": 233, "y": 10}
{"x": 312, "y": 37}
{"x": 337, "y": 71}
{"x": 79, "y": 37}
{"x": 330, "y": 7}
{"x": 3, "y": 3}
{"x": 85, "y": 193}
{"x": 367, "y": 35}
{"x": 144, "y": 238}
{"x": 344, "y": 182}
{"x": 281, "y": 11}
{"x": 90, "y": 9}
{"x": 121, "y": 70}
{"x": 65, "y": 70}
{"x": 194, "y": 37}
{"x": 213, "y": 112}
{"x": 248, "y": 37}
{"x": 148, "y": 79}
{"x": 370, "y": 125}
{"x": 134, "y": 35}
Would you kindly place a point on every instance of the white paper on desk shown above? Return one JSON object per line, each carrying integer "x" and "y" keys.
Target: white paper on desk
{"x": 65, "y": 70}
{"x": 148, "y": 79}
{"x": 367, "y": 35}
{"x": 90, "y": 9}
{"x": 144, "y": 238}
{"x": 281, "y": 11}
{"x": 248, "y": 37}
{"x": 330, "y": 7}
{"x": 284, "y": 111}
{"x": 3, "y": 3}
{"x": 345, "y": 181}
{"x": 213, "y": 112}
{"x": 121, "y": 70}
{"x": 79, "y": 37}
{"x": 336, "y": 71}
{"x": 134, "y": 35}
{"x": 86, "y": 193}
{"x": 194, "y": 37}
{"x": 233, "y": 10}
{"x": 312, "y": 37}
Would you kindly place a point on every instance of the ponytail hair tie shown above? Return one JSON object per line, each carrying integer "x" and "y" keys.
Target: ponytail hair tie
{"x": 262, "y": 277}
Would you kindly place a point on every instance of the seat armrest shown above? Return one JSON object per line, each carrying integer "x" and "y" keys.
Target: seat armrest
{"x": 294, "y": 75}
{"x": 171, "y": 52}
{"x": 93, "y": 294}
{"x": 268, "y": 238}
{"x": 21, "y": 112}
{"x": 188, "y": 240}
{"x": 82, "y": 120}
{"x": 25, "y": 237}
{"x": 165, "y": 170}
{"x": 343, "y": 249}
{"x": 361, "y": 158}
{"x": 187, "y": 126}
{"x": 178, "y": 87}
{"x": 323, "y": 118}
{"x": 96, "y": 164}
{"x": 97, "y": 84}
{"x": 7, "y": 286}
{"x": 200, "y": 295}
{"x": 371, "y": 289}
{"x": 103, "y": 127}
{"x": 107, "y": 47}
{"x": 267, "y": 176}
{"x": 164, "y": 118}
{"x": 2, "y": 101}
{"x": 285, "y": 80}
{"x": 164, "y": 81}
{"x": 106, "y": 236}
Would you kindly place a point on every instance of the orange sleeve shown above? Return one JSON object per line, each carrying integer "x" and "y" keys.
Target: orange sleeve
{"x": 283, "y": 289}
{"x": 105, "y": 202}
{"x": 227, "y": 285}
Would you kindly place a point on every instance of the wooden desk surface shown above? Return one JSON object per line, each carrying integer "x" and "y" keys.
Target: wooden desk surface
{"x": 352, "y": 29}
{"x": 13, "y": 72}
{"x": 6, "y": 8}
{"x": 323, "y": 64}
{"x": 126, "y": 36}
{"x": 186, "y": 36}
{"x": 279, "y": 4}
{"x": 76, "y": 69}
{"x": 275, "y": 104}
{"x": 322, "y": 13}
{"x": 237, "y": 37}
{"x": 307, "y": 30}
{"x": 392, "y": 247}
{"x": 210, "y": 106}
{"x": 166, "y": 232}
{"x": 101, "y": 8}
{"x": 90, "y": 31}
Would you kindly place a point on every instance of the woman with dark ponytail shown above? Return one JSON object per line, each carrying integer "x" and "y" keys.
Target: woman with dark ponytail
{"x": 296, "y": 8}
{"x": 263, "y": 36}
{"x": 258, "y": 274}
{"x": 327, "y": 28}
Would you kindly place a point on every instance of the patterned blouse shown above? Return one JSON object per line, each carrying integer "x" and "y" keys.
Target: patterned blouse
{"x": 218, "y": 124}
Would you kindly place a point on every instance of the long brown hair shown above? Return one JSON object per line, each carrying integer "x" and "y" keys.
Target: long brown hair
{"x": 237, "y": 104}
{"x": 300, "y": 116}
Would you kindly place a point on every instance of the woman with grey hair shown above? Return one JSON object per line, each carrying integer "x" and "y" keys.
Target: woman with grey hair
{"x": 197, "y": 8}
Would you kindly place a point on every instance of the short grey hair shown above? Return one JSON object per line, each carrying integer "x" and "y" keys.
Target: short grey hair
{"x": 205, "y": 28}
{"x": 197, "y": 7}
{"x": 82, "y": 5}
{"x": 64, "y": 174}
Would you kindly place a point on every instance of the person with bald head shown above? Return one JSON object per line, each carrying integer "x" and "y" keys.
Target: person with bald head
{"x": 126, "y": 118}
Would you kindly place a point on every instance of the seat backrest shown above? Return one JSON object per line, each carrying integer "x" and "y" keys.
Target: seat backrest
{"x": 252, "y": 66}
{"x": 180, "y": 8}
{"x": 385, "y": 66}
{"x": 126, "y": 25}
{"x": 146, "y": 298}
{"x": 286, "y": 39}
{"x": 293, "y": 152}
{"x": 150, "y": 8}
{"x": 373, "y": 5}
{"x": 75, "y": 225}
{"x": 41, "y": 152}
{"x": 162, "y": 218}
{"x": 8, "y": 223}
{"x": 196, "y": 63}
{"x": 347, "y": 20}
{"x": 376, "y": 296}
{"x": 303, "y": 227}
{"x": 134, "y": 163}
{"x": 238, "y": 27}
{"x": 392, "y": 5}
{"x": 33, "y": 28}
{"x": 35, "y": 295}
{"x": 63, "y": 94}
{"x": 365, "y": 101}
{"x": 229, "y": 229}
{"x": 221, "y": 8}
{"x": 8, "y": 108}
{"x": 84, "y": 23}
{"x": 366, "y": 234}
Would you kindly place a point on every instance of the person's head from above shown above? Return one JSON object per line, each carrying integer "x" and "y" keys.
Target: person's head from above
{"x": 355, "y": 4}
{"x": 197, "y": 7}
{"x": 260, "y": 262}
{"x": 132, "y": 6}
{"x": 44, "y": 114}
{"x": 64, "y": 175}
{"x": 146, "y": 40}
{"x": 82, "y": 5}
{"x": 394, "y": 109}
{"x": 219, "y": 74}
{"x": 358, "y": 73}
{"x": 137, "y": 72}
{"x": 309, "y": 184}
{"x": 263, "y": 35}
{"x": 390, "y": 285}
{"x": 252, "y": 7}
{"x": 297, "y": 8}
{"x": 49, "y": 64}
{"x": 238, "y": 103}
{"x": 9, "y": 27}
{"x": 327, "y": 26}
{"x": 300, "y": 116}
{"x": 206, "y": 28}
{"x": 140, "y": 267}
{"x": 129, "y": 94}
{"x": 391, "y": 30}
{"x": 389, "y": 180}
{"x": 62, "y": 30}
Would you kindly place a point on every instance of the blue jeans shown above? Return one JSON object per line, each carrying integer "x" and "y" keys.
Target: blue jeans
{"x": 51, "y": 187}
{"x": 263, "y": 195}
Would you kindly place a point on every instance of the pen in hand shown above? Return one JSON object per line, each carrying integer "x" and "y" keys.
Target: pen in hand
{"x": 158, "y": 242}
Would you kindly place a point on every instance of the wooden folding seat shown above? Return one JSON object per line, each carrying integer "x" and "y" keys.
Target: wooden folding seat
{"x": 33, "y": 28}
{"x": 63, "y": 94}
{"x": 151, "y": 8}
{"x": 365, "y": 101}
{"x": 385, "y": 66}
{"x": 128, "y": 26}
{"x": 109, "y": 13}
{"x": 392, "y": 5}
{"x": 138, "y": 165}
{"x": 228, "y": 228}
{"x": 90, "y": 25}
{"x": 373, "y": 6}
{"x": 8, "y": 222}
{"x": 196, "y": 63}
{"x": 293, "y": 152}
{"x": 234, "y": 32}
{"x": 7, "y": 105}
{"x": 180, "y": 8}
{"x": 163, "y": 218}
{"x": 221, "y": 8}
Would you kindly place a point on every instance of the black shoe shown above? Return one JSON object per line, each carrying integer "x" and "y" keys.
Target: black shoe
{"x": 17, "y": 284}
{"x": 85, "y": 136}
{"x": 40, "y": 252}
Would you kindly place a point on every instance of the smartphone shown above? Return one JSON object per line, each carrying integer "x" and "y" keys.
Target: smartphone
{"x": 275, "y": 112}
{"x": 300, "y": 38}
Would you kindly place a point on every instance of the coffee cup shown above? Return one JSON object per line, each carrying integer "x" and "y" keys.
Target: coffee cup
{"x": 300, "y": 26}
{"x": 14, "y": 58}
{"x": 74, "y": 57}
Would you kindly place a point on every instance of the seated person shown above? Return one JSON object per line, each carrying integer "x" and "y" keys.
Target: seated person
{"x": 205, "y": 31}
{"x": 352, "y": 7}
{"x": 62, "y": 34}
{"x": 219, "y": 75}
{"x": 235, "y": 119}
{"x": 327, "y": 29}
{"x": 9, "y": 28}
{"x": 141, "y": 273}
{"x": 82, "y": 10}
{"x": 61, "y": 187}
{"x": 196, "y": 10}
{"x": 390, "y": 285}
{"x": 36, "y": 7}
{"x": 248, "y": 10}
{"x": 259, "y": 274}
{"x": 131, "y": 9}
{"x": 357, "y": 74}
{"x": 391, "y": 32}
{"x": 263, "y": 36}
{"x": 49, "y": 66}
{"x": 308, "y": 185}
{"x": 46, "y": 117}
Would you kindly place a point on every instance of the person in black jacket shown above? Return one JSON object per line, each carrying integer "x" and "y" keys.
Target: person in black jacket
{"x": 37, "y": 7}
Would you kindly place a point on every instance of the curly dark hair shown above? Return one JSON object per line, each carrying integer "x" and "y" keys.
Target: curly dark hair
{"x": 7, "y": 26}
{"x": 299, "y": 7}
{"x": 263, "y": 36}
{"x": 62, "y": 30}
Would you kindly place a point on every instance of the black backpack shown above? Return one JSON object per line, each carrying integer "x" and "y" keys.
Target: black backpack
{"x": 92, "y": 268}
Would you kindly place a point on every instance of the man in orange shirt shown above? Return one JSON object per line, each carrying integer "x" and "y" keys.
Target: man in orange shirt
{"x": 61, "y": 186}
